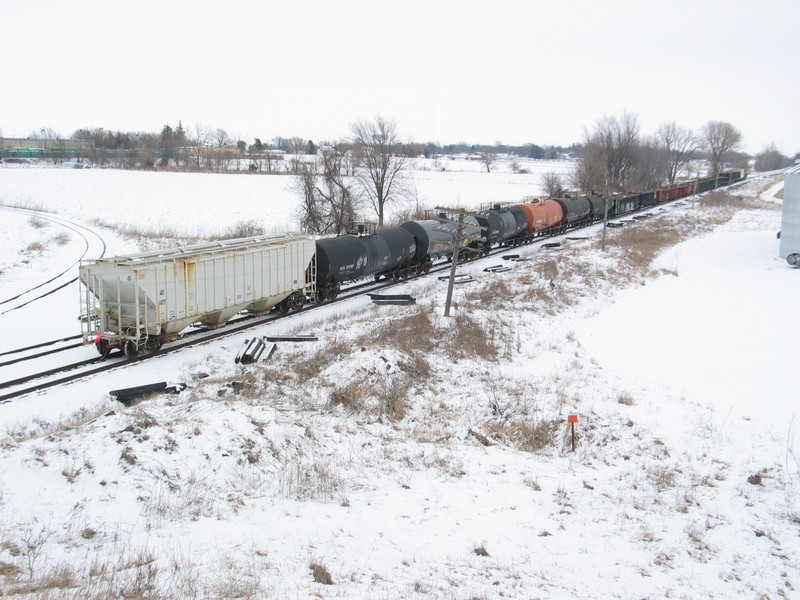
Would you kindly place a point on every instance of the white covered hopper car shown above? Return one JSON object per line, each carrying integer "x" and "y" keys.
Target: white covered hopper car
{"x": 139, "y": 301}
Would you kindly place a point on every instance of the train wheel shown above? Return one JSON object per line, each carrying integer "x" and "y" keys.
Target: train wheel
{"x": 130, "y": 349}
{"x": 103, "y": 348}
{"x": 153, "y": 344}
{"x": 321, "y": 296}
{"x": 297, "y": 301}
{"x": 284, "y": 306}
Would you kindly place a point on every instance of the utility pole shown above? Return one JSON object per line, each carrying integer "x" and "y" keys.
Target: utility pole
{"x": 460, "y": 240}
{"x": 605, "y": 218}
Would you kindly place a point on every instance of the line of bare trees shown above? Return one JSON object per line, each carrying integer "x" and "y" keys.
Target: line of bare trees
{"x": 615, "y": 156}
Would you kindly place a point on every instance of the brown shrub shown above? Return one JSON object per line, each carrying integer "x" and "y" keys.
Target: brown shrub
{"x": 469, "y": 339}
{"x": 320, "y": 573}
{"x": 720, "y": 199}
{"x": 415, "y": 366}
{"x": 308, "y": 368}
{"x": 351, "y": 395}
{"x": 525, "y": 436}
{"x": 393, "y": 398}
{"x": 411, "y": 333}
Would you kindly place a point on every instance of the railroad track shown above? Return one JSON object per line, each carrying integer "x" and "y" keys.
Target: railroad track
{"x": 92, "y": 244}
{"x": 77, "y": 370}
{"x": 71, "y": 372}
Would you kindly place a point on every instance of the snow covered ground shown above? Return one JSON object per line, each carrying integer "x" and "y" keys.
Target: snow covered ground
{"x": 375, "y": 458}
{"x": 209, "y": 203}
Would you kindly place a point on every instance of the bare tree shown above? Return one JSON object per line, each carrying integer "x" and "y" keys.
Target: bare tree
{"x": 771, "y": 159}
{"x": 679, "y": 143}
{"x": 329, "y": 203}
{"x": 375, "y": 143}
{"x": 720, "y": 138}
{"x": 609, "y": 153}
{"x": 198, "y": 142}
{"x": 553, "y": 185}
{"x": 311, "y": 212}
{"x": 488, "y": 158}
{"x": 650, "y": 168}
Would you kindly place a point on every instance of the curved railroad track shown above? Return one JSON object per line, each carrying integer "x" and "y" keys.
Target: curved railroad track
{"x": 92, "y": 244}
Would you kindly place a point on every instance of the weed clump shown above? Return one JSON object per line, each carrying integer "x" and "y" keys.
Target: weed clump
{"x": 320, "y": 573}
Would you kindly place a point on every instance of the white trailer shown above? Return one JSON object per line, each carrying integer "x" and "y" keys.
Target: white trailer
{"x": 137, "y": 302}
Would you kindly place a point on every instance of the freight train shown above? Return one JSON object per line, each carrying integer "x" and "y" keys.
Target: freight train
{"x": 137, "y": 302}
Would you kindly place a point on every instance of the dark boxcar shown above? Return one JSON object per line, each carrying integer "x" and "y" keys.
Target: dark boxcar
{"x": 577, "y": 211}
{"x": 648, "y": 198}
{"x": 625, "y": 204}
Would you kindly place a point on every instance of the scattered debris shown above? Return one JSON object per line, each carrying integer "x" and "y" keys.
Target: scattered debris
{"x": 291, "y": 338}
{"x": 398, "y": 299}
{"x": 550, "y": 245}
{"x": 510, "y": 256}
{"x": 458, "y": 278}
{"x": 615, "y": 224}
{"x": 128, "y": 395}
{"x": 497, "y": 269}
{"x": 252, "y": 350}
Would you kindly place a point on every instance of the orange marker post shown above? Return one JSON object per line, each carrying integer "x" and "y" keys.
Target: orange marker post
{"x": 571, "y": 420}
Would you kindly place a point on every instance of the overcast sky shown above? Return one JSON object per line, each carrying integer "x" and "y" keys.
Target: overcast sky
{"x": 448, "y": 71}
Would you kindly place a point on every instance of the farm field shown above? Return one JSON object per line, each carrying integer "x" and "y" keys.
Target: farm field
{"x": 407, "y": 455}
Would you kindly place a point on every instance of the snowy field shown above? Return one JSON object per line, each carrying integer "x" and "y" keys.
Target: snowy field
{"x": 209, "y": 203}
{"x": 373, "y": 458}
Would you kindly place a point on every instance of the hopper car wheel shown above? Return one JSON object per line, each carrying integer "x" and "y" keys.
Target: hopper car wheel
{"x": 153, "y": 345}
{"x": 284, "y": 306}
{"x": 130, "y": 349}
{"x": 103, "y": 348}
{"x": 298, "y": 300}
{"x": 322, "y": 296}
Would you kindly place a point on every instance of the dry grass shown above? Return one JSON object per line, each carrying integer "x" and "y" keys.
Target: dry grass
{"x": 526, "y": 436}
{"x": 468, "y": 338}
{"x": 352, "y": 395}
{"x": 61, "y": 238}
{"x": 641, "y": 244}
{"x": 626, "y": 399}
{"x": 307, "y": 368}
{"x": 36, "y": 222}
{"x": 320, "y": 573}
{"x": 410, "y": 334}
{"x": 721, "y": 199}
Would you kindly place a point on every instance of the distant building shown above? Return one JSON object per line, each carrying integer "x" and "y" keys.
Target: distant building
{"x": 790, "y": 220}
